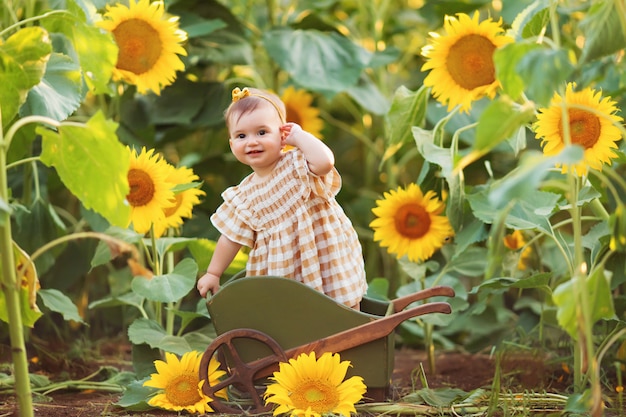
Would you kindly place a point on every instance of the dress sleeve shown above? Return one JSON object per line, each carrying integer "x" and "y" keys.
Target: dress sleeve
{"x": 233, "y": 220}
{"x": 325, "y": 186}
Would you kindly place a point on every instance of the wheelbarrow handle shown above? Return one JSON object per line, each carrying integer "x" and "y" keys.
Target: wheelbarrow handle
{"x": 401, "y": 303}
{"x": 359, "y": 335}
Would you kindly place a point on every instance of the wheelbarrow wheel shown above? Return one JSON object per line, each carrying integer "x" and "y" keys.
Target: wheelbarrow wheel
{"x": 239, "y": 374}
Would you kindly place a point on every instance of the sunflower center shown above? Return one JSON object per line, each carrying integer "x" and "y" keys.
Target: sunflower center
{"x": 412, "y": 221}
{"x": 584, "y": 128}
{"x": 470, "y": 62}
{"x": 141, "y": 188}
{"x": 139, "y": 46}
{"x": 183, "y": 390}
{"x": 319, "y": 395}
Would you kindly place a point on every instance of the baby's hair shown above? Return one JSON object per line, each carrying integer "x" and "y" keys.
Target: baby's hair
{"x": 248, "y": 99}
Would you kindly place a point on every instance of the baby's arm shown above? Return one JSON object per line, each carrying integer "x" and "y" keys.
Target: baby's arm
{"x": 318, "y": 156}
{"x": 224, "y": 253}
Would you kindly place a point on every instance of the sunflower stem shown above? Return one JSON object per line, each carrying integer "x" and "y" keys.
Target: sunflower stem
{"x": 11, "y": 288}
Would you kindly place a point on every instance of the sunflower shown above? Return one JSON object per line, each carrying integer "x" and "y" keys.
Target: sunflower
{"x": 180, "y": 385}
{"x": 462, "y": 60}
{"x": 592, "y": 125}
{"x": 312, "y": 387}
{"x": 150, "y": 192}
{"x": 299, "y": 110}
{"x": 183, "y": 200}
{"x": 409, "y": 223}
{"x": 147, "y": 44}
{"x": 516, "y": 241}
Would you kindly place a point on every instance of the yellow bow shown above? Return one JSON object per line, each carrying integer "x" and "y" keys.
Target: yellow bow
{"x": 238, "y": 93}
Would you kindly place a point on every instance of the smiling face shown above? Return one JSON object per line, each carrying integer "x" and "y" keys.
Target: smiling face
{"x": 256, "y": 139}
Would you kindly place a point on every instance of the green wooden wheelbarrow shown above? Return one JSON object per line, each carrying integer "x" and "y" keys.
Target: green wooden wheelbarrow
{"x": 262, "y": 321}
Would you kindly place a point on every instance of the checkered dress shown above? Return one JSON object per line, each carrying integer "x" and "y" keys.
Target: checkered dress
{"x": 295, "y": 228}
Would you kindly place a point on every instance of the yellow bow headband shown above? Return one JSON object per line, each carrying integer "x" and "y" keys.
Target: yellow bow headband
{"x": 239, "y": 94}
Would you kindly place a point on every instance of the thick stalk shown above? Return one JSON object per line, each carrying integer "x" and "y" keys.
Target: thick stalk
{"x": 11, "y": 289}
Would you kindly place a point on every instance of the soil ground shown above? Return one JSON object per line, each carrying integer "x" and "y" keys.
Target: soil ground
{"x": 455, "y": 370}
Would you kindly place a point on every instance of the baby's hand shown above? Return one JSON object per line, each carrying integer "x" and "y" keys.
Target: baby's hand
{"x": 208, "y": 282}
{"x": 291, "y": 131}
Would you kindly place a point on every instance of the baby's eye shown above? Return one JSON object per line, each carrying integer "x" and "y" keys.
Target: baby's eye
{"x": 262, "y": 132}
{"x": 241, "y": 136}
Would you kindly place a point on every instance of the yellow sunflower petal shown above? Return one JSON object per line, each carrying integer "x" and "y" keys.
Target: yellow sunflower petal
{"x": 461, "y": 61}
{"x": 591, "y": 124}
{"x": 179, "y": 384}
{"x": 410, "y": 223}
{"x": 306, "y": 386}
{"x": 300, "y": 110}
{"x": 150, "y": 192}
{"x": 149, "y": 44}
{"x": 183, "y": 201}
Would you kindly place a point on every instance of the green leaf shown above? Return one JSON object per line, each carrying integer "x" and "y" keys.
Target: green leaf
{"x": 146, "y": 331}
{"x": 58, "y": 302}
{"x": 130, "y": 299}
{"x": 189, "y": 316}
{"x": 92, "y": 164}
{"x": 506, "y": 59}
{"x": 604, "y": 29}
{"x": 36, "y": 227}
{"x": 598, "y": 290}
{"x": 470, "y": 262}
{"x": 525, "y": 179}
{"x": 135, "y": 396}
{"x": 29, "y": 316}
{"x": 531, "y": 210}
{"x": 424, "y": 140}
{"x": 531, "y": 21}
{"x": 543, "y": 72}
{"x": 378, "y": 289}
{"x": 367, "y": 94}
{"x": 202, "y": 251}
{"x": 94, "y": 49}
{"x": 498, "y": 122}
{"x": 170, "y": 287}
{"x": 408, "y": 109}
{"x": 23, "y": 59}
{"x": 324, "y": 62}
{"x": 103, "y": 252}
{"x": 151, "y": 333}
{"x": 59, "y": 93}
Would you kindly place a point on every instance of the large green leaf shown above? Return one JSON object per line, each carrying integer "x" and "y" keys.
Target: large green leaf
{"x": 35, "y": 227}
{"x": 506, "y": 59}
{"x": 531, "y": 21}
{"x": 169, "y": 287}
{"x": 92, "y": 164}
{"x": 604, "y": 28}
{"x": 498, "y": 122}
{"x": 23, "y": 59}
{"x": 202, "y": 251}
{"x": 529, "y": 211}
{"x": 29, "y": 311}
{"x": 408, "y": 109}
{"x": 95, "y": 50}
{"x": 58, "y": 302}
{"x": 59, "y": 93}
{"x": 533, "y": 168}
{"x": 151, "y": 333}
{"x": 543, "y": 72}
{"x": 598, "y": 289}
{"x": 316, "y": 60}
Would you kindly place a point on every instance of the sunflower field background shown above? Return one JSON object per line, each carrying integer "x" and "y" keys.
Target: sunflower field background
{"x": 479, "y": 143}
